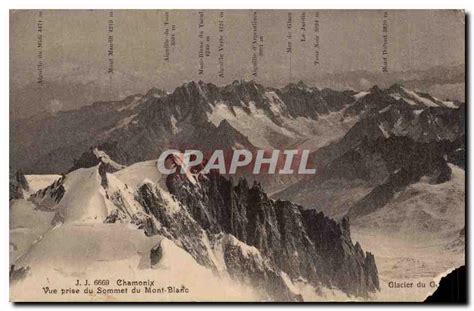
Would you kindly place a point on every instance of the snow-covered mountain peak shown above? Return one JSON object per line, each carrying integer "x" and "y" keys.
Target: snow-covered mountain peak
{"x": 416, "y": 99}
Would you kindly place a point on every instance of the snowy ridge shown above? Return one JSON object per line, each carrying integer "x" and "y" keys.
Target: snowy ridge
{"x": 417, "y": 99}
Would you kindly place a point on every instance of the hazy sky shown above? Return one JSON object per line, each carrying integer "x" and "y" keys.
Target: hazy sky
{"x": 75, "y": 44}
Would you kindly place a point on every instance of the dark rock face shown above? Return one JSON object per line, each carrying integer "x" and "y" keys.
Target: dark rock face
{"x": 50, "y": 195}
{"x": 385, "y": 117}
{"x": 210, "y": 137}
{"x": 180, "y": 227}
{"x": 17, "y": 184}
{"x": 302, "y": 243}
{"x": 177, "y": 226}
{"x": 393, "y": 145}
{"x": 406, "y": 162}
{"x": 346, "y": 264}
{"x": 155, "y": 254}
{"x": 304, "y": 101}
{"x": 57, "y": 140}
{"x": 416, "y": 146}
{"x": 99, "y": 155}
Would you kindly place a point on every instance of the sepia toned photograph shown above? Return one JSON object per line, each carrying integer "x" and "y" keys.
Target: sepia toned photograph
{"x": 237, "y": 156}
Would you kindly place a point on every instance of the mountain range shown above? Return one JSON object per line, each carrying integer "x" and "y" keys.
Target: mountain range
{"x": 381, "y": 156}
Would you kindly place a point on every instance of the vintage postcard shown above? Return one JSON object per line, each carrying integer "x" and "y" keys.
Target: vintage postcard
{"x": 237, "y": 155}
